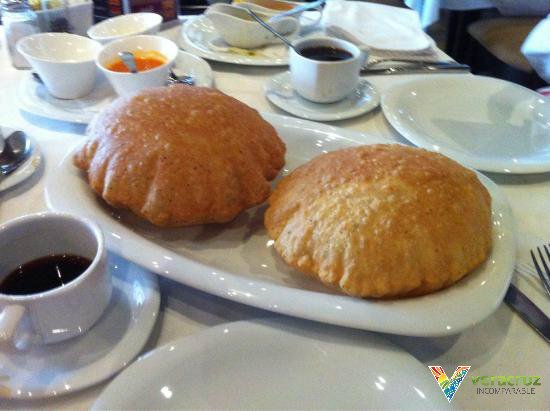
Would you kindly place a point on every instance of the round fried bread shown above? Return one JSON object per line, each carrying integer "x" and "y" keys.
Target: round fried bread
{"x": 381, "y": 221}
{"x": 181, "y": 155}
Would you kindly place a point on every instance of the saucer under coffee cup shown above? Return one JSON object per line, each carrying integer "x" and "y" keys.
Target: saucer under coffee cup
{"x": 36, "y": 311}
{"x": 325, "y": 69}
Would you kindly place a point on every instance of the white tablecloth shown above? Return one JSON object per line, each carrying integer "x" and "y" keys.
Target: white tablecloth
{"x": 501, "y": 345}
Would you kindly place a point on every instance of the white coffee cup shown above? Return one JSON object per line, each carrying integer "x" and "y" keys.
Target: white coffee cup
{"x": 59, "y": 313}
{"x": 325, "y": 81}
{"x": 64, "y": 62}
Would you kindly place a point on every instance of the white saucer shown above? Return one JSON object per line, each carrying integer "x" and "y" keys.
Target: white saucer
{"x": 279, "y": 91}
{"x": 110, "y": 345}
{"x": 25, "y": 170}
{"x": 33, "y": 97}
{"x": 198, "y": 33}
{"x": 482, "y": 122}
{"x": 197, "y": 67}
{"x": 276, "y": 365}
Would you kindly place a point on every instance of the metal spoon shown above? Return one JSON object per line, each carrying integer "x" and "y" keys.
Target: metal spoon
{"x": 298, "y": 9}
{"x": 271, "y": 29}
{"x": 173, "y": 78}
{"x": 17, "y": 149}
{"x": 128, "y": 60}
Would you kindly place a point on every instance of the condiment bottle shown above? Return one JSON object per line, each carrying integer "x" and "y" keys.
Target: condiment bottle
{"x": 19, "y": 20}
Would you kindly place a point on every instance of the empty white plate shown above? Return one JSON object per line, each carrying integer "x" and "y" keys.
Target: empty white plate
{"x": 110, "y": 345}
{"x": 279, "y": 91}
{"x": 482, "y": 122}
{"x": 290, "y": 366}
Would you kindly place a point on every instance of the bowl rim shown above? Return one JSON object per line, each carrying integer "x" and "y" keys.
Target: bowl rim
{"x": 106, "y": 48}
{"x": 157, "y": 20}
{"x": 95, "y": 44}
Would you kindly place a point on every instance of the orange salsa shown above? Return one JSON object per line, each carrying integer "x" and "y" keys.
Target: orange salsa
{"x": 145, "y": 60}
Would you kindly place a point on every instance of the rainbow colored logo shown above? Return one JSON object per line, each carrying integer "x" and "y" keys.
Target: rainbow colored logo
{"x": 449, "y": 386}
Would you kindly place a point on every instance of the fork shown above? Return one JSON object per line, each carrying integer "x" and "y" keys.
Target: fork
{"x": 544, "y": 263}
{"x": 373, "y": 61}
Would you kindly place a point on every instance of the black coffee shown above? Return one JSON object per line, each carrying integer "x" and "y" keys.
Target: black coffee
{"x": 44, "y": 274}
{"x": 325, "y": 53}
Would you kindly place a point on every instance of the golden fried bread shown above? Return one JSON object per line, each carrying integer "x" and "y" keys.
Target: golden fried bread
{"x": 181, "y": 155}
{"x": 381, "y": 221}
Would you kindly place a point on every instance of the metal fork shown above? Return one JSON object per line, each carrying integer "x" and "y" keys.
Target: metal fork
{"x": 373, "y": 61}
{"x": 545, "y": 263}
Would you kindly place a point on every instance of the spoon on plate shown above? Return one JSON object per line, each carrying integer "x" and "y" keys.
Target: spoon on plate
{"x": 271, "y": 29}
{"x": 17, "y": 147}
{"x": 128, "y": 60}
{"x": 298, "y": 9}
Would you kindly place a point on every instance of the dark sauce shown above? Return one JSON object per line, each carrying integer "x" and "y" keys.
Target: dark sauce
{"x": 43, "y": 274}
{"x": 324, "y": 53}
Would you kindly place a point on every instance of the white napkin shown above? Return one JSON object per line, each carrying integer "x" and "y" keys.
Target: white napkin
{"x": 536, "y": 48}
{"x": 383, "y": 29}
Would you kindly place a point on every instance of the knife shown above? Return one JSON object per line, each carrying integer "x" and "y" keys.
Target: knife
{"x": 528, "y": 311}
{"x": 417, "y": 68}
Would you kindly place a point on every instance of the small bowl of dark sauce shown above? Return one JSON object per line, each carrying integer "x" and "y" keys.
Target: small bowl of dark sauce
{"x": 54, "y": 271}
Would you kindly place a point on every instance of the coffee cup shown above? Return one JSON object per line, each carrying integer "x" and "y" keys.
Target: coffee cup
{"x": 64, "y": 62}
{"x": 36, "y": 307}
{"x": 325, "y": 69}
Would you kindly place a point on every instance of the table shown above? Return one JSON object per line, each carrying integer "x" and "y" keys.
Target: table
{"x": 501, "y": 345}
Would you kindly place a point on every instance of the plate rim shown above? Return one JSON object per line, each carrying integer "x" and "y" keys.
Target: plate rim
{"x": 182, "y": 347}
{"x": 281, "y": 299}
{"x": 186, "y": 44}
{"x": 366, "y": 108}
{"x": 37, "y": 110}
{"x": 388, "y": 102}
{"x": 25, "y": 170}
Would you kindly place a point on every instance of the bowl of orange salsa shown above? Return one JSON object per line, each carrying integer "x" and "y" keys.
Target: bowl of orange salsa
{"x": 154, "y": 57}
{"x": 145, "y": 60}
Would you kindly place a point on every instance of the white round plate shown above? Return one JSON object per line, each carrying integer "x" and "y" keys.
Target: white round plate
{"x": 33, "y": 97}
{"x": 482, "y": 122}
{"x": 198, "y": 33}
{"x": 25, "y": 170}
{"x": 198, "y": 68}
{"x": 252, "y": 366}
{"x": 237, "y": 260}
{"x": 279, "y": 91}
{"x": 110, "y": 345}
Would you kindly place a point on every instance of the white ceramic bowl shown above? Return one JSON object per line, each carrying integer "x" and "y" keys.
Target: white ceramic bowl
{"x": 124, "y": 26}
{"x": 65, "y": 62}
{"x": 130, "y": 83}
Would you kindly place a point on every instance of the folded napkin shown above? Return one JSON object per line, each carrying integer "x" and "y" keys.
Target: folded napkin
{"x": 536, "y": 48}
{"x": 385, "y": 30}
